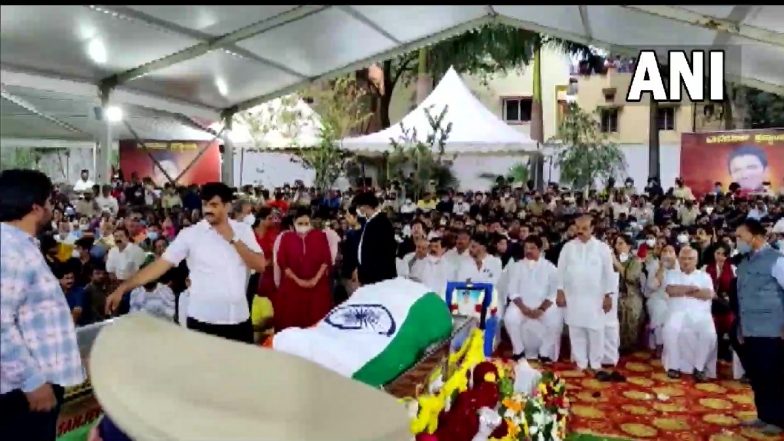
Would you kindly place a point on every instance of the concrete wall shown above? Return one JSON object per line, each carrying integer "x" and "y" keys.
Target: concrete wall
{"x": 633, "y": 118}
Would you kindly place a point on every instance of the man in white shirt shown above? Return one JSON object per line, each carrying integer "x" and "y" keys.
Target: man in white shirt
{"x": 481, "y": 267}
{"x": 246, "y": 213}
{"x": 219, "y": 252}
{"x": 434, "y": 271}
{"x": 106, "y": 202}
{"x": 690, "y": 341}
{"x": 125, "y": 258}
{"x": 461, "y": 207}
{"x": 586, "y": 284}
{"x": 533, "y": 322}
{"x": 419, "y": 254}
{"x": 409, "y": 207}
{"x": 84, "y": 183}
{"x": 460, "y": 253}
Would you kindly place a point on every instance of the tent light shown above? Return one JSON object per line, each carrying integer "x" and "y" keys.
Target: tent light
{"x": 114, "y": 114}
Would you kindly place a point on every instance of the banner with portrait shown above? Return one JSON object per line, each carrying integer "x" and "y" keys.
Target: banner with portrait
{"x": 175, "y": 157}
{"x": 749, "y": 158}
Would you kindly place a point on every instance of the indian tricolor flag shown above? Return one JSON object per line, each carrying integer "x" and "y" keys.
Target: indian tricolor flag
{"x": 375, "y": 335}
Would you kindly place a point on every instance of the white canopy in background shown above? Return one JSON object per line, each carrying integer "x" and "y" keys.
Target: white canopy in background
{"x": 475, "y": 129}
{"x": 281, "y": 123}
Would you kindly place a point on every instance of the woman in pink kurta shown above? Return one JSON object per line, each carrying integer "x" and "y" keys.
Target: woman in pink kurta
{"x": 304, "y": 263}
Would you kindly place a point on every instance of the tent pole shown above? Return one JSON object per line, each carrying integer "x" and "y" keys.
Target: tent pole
{"x": 242, "y": 164}
{"x": 227, "y": 166}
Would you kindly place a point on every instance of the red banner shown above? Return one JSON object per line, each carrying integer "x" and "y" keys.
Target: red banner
{"x": 174, "y": 157}
{"x": 747, "y": 157}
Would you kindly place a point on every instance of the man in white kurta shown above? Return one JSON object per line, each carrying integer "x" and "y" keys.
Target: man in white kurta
{"x": 460, "y": 254}
{"x": 435, "y": 270}
{"x": 533, "y": 322}
{"x": 481, "y": 267}
{"x": 690, "y": 341}
{"x": 405, "y": 264}
{"x": 586, "y": 283}
{"x": 656, "y": 302}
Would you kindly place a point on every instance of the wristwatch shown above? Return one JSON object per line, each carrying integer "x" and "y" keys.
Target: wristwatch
{"x": 234, "y": 240}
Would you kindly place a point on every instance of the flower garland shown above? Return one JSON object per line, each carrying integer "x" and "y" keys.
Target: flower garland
{"x": 480, "y": 402}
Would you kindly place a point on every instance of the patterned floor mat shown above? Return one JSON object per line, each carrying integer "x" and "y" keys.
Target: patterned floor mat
{"x": 651, "y": 406}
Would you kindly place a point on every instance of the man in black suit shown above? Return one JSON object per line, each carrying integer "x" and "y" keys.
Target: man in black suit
{"x": 377, "y": 245}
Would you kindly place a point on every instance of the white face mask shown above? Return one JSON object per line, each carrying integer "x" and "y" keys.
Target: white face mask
{"x": 75, "y": 254}
{"x": 651, "y": 243}
{"x": 709, "y": 210}
{"x": 302, "y": 229}
{"x": 623, "y": 257}
{"x": 682, "y": 238}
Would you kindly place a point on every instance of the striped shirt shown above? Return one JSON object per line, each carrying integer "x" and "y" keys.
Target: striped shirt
{"x": 37, "y": 334}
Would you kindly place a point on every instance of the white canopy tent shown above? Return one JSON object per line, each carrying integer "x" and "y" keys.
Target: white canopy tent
{"x": 209, "y": 61}
{"x": 475, "y": 129}
{"x": 281, "y": 123}
{"x": 263, "y": 146}
{"x": 479, "y": 142}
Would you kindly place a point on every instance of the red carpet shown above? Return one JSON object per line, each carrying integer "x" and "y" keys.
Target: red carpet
{"x": 652, "y": 406}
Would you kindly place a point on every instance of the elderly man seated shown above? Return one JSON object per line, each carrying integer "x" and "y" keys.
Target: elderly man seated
{"x": 533, "y": 321}
{"x": 690, "y": 340}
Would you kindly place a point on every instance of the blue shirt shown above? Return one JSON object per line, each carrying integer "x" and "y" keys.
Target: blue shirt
{"x": 77, "y": 298}
{"x": 37, "y": 334}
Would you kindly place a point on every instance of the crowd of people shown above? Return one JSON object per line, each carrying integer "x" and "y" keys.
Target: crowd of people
{"x": 615, "y": 269}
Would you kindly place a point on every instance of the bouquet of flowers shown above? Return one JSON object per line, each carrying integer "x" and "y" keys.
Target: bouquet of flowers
{"x": 482, "y": 401}
{"x": 540, "y": 416}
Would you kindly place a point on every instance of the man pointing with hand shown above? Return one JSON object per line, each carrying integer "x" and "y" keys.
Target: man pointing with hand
{"x": 219, "y": 252}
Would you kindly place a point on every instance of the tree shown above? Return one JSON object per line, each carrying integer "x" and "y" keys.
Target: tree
{"x": 281, "y": 115}
{"x": 764, "y": 110}
{"x": 585, "y": 154}
{"x": 340, "y": 106}
{"x": 484, "y": 51}
{"x": 416, "y": 161}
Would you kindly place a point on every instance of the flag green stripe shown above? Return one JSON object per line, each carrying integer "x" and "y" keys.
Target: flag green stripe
{"x": 428, "y": 321}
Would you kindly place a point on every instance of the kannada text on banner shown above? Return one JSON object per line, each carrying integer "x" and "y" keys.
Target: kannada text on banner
{"x": 174, "y": 157}
{"x": 748, "y": 157}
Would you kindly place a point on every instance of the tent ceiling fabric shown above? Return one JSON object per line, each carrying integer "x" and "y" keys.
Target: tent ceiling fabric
{"x": 207, "y": 58}
{"x": 475, "y": 129}
{"x": 32, "y": 113}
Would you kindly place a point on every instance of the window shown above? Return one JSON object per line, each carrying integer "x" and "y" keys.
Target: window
{"x": 665, "y": 118}
{"x": 610, "y": 120}
{"x": 517, "y": 110}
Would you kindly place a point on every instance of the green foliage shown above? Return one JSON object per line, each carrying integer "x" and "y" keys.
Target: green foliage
{"x": 341, "y": 108}
{"x": 482, "y": 52}
{"x": 339, "y": 104}
{"x": 282, "y": 116}
{"x": 327, "y": 159}
{"x": 765, "y": 110}
{"x": 585, "y": 153}
{"x": 18, "y": 158}
{"x": 423, "y": 158}
{"x": 517, "y": 174}
{"x": 490, "y": 49}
